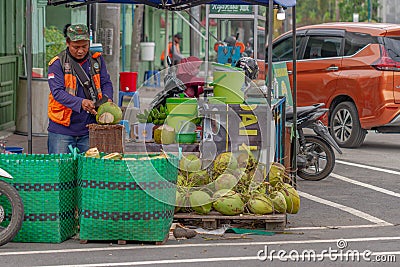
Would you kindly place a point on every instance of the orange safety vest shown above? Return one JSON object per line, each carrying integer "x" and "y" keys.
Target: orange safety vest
{"x": 162, "y": 57}
{"x": 56, "y": 111}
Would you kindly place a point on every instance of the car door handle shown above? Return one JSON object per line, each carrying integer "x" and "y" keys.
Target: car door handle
{"x": 333, "y": 68}
{"x": 289, "y": 72}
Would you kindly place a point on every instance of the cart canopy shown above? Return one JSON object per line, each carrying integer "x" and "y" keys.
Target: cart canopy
{"x": 179, "y": 4}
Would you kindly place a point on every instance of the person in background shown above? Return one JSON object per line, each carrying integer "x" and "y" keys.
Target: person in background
{"x": 70, "y": 110}
{"x": 249, "y": 51}
{"x": 230, "y": 40}
{"x": 176, "y": 56}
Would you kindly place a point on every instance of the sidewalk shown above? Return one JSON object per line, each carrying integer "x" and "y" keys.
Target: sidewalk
{"x": 39, "y": 143}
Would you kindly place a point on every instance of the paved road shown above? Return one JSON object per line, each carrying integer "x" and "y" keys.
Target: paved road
{"x": 356, "y": 209}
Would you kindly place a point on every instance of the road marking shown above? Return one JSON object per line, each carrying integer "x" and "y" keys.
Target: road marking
{"x": 330, "y": 227}
{"x": 286, "y": 258}
{"x": 368, "y": 167}
{"x": 352, "y": 211}
{"x": 139, "y": 247}
{"x": 376, "y": 188}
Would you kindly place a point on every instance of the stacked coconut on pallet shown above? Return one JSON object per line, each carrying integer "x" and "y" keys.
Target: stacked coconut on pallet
{"x": 235, "y": 183}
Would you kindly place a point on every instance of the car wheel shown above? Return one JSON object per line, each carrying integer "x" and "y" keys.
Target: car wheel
{"x": 345, "y": 126}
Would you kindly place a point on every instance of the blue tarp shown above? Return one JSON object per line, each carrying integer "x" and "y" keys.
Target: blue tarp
{"x": 173, "y": 4}
{"x": 285, "y": 3}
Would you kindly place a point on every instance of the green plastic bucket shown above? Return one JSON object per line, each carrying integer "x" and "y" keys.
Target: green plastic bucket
{"x": 185, "y": 105}
{"x": 180, "y": 110}
{"x": 229, "y": 84}
{"x": 186, "y": 138}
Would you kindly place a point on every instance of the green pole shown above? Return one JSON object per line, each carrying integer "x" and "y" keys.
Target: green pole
{"x": 369, "y": 10}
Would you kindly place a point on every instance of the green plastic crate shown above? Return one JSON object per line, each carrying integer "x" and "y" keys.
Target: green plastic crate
{"x": 127, "y": 199}
{"x": 48, "y": 187}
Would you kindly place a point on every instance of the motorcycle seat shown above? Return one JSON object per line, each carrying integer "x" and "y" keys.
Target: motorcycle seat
{"x": 302, "y": 111}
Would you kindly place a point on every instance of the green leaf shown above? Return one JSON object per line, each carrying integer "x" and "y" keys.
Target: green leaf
{"x": 55, "y": 42}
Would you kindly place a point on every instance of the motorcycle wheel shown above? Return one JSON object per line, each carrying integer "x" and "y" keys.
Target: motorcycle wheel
{"x": 9, "y": 196}
{"x": 320, "y": 159}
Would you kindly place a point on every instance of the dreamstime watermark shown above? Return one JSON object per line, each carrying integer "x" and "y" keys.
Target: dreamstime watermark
{"x": 340, "y": 253}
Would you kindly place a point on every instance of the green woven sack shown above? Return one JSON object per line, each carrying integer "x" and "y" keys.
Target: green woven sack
{"x": 48, "y": 187}
{"x": 127, "y": 199}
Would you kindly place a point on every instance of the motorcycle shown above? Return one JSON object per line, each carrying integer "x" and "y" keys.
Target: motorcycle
{"x": 180, "y": 79}
{"x": 315, "y": 155}
{"x": 11, "y": 201}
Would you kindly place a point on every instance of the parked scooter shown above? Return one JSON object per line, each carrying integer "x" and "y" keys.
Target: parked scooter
{"x": 183, "y": 79}
{"x": 180, "y": 79}
{"x": 12, "y": 207}
{"x": 172, "y": 87}
{"x": 315, "y": 155}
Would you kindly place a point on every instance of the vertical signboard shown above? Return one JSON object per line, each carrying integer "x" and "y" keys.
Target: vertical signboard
{"x": 281, "y": 83}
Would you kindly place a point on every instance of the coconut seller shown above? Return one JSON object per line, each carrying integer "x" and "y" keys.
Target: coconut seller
{"x": 79, "y": 82}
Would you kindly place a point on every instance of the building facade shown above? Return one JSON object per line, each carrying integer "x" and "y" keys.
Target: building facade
{"x": 389, "y": 11}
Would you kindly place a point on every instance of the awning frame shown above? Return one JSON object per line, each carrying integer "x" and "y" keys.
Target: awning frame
{"x": 172, "y": 5}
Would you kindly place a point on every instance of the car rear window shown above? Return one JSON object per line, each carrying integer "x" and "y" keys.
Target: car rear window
{"x": 392, "y": 45}
{"x": 355, "y": 41}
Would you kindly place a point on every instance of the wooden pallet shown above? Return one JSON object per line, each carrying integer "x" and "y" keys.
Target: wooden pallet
{"x": 124, "y": 242}
{"x": 213, "y": 220}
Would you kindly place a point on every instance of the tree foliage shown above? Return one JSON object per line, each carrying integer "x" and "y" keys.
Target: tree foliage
{"x": 348, "y": 7}
{"x": 55, "y": 42}
{"x": 322, "y": 11}
{"x": 314, "y": 11}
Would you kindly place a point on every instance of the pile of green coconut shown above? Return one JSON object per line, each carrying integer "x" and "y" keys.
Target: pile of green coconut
{"x": 235, "y": 183}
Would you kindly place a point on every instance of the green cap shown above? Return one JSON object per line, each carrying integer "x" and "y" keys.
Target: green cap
{"x": 78, "y": 32}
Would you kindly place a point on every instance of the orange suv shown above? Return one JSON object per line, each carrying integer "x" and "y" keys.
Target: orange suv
{"x": 354, "y": 68}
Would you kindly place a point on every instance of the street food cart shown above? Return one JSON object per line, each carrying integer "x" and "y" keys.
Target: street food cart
{"x": 125, "y": 199}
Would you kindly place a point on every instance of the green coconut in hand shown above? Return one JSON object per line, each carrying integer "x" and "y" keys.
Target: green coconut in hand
{"x": 109, "y": 113}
